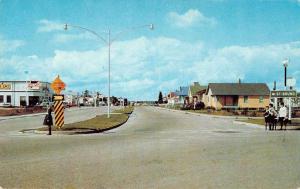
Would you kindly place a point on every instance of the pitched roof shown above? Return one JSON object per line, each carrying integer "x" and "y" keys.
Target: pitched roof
{"x": 245, "y": 89}
{"x": 183, "y": 91}
{"x": 195, "y": 87}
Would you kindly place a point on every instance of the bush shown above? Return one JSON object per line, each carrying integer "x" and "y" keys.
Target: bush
{"x": 199, "y": 106}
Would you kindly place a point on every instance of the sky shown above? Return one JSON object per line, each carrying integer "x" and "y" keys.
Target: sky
{"x": 206, "y": 41}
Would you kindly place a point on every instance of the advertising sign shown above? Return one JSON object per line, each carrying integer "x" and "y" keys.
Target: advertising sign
{"x": 5, "y": 86}
{"x": 35, "y": 85}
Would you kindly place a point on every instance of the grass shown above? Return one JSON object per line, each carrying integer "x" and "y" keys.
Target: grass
{"x": 97, "y": 124}
{"x": 254, "y": 121}
{"x": 219, "y": 113}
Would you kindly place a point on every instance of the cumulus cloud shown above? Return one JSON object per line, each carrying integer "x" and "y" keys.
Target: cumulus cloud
{"x": 192, "y": 17}
{"x": 63, "y": 38}
{"x": 9, "y": 45}
{"x": 143, "y": 66}
{"x": 49, "y": 26}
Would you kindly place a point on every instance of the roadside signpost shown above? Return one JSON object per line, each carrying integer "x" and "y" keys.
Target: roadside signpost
{"x": 285, "y": 94}
{"x": 58, "y": 85}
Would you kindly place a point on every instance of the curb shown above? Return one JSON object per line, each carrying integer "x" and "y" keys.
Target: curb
{"x": 249, "y": 124}
{"x": 86, "y": 131}
{"x": 206, "y": 115}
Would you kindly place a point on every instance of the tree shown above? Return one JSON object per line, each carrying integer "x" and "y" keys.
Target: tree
{"x": 160, "y": 98}
{"x": 86, "y": 93}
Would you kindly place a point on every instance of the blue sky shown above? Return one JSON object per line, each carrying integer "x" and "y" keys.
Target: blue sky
{"x": 205, "y": 41}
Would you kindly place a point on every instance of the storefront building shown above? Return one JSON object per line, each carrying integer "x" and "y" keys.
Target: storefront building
{"x": 22, "y": 93}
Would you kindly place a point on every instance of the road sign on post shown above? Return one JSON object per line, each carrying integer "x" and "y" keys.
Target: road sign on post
{"x": 283, "y": 94}
{"x": 58, "y": 85}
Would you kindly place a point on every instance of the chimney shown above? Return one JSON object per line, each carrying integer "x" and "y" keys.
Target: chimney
{"x": 274, "y": 88}
{"x": 240, "y": 81}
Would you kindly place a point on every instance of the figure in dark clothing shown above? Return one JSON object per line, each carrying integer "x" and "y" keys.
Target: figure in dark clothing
{"x": 267, "y": 117}
{"x": 48, "y": 119}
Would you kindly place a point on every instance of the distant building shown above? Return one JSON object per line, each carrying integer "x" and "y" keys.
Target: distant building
{"x": 193, "y": 92}
{"x": 182, "y": 94}
{"x": 22, "y": 93}
{"x": 172, "y": 98}
{"x": 237, "y": 95}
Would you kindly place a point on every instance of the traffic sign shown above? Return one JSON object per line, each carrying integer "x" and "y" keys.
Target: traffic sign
{"x": 58, "y": 85}
{"x": 58, "y": 97}
{"x": 283, "y": 94}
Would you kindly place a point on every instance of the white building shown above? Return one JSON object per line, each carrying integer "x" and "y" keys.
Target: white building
{"x": 22, "y": 93}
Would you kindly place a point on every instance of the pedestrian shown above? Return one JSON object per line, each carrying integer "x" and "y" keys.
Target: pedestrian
{"x": 282, "y": 116}
{"x": 48, "y": 119}
{"x": 272, "y": 117}
{"x": 267, "y": 117}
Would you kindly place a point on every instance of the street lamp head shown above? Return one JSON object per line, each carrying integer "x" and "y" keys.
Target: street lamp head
{"x": 151, "y": 26}
{"x": 285, "y": 62}
{"x": 66, "y": 27}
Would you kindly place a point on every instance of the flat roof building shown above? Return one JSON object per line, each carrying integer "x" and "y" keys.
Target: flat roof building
{"x": 22, "y": 93}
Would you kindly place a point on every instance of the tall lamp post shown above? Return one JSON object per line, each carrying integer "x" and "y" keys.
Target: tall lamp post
{"x": 108, "y": 42}
{"x": 285, "y": 65}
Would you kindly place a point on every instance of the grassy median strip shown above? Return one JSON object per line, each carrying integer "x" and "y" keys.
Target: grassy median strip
{"x": 254, "y": 121}
{"x": 97, "y": 124}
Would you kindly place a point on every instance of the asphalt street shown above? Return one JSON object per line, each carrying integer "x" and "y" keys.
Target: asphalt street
{"x": 156, "y": 148}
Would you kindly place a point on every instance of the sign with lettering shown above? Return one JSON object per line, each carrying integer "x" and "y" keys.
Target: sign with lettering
{"x": 282, "y": 94}
{"x": 58, "y": 97}
{"x": 5, "y": 86}
{"x": 34, "y": 85}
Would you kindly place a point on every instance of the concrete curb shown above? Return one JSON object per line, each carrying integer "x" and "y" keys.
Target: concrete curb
{"x": 78, "y": 132}
{"x": 207, "y": 115}
{"x": 249, "y": 124}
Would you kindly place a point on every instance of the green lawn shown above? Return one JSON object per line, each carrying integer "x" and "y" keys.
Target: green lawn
{"x": 99, "y": 123}
{"x": 254, "y": 121}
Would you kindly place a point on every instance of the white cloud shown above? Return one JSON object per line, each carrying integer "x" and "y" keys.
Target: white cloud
{"x": 143, "y": 66}
{"x": 192, "y": 17}
{"x": 9, "y": 45}
{"x": 49, "y": 26}
{"x": 63, "y": 38}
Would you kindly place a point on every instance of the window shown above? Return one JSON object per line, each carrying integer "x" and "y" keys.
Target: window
{"x": 1, "y": 98}
{"x": 261, "y": 99}
{"x": 8, "y": 99}
{"x": 245, "y": 99}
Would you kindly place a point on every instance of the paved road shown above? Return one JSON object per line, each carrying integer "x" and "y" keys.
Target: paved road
{"x": 156, "y": 148}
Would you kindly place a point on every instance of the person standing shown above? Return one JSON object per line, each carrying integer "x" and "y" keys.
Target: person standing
{"x": 272, "y": 117}
{"x": 267, "y": 117}
{"x": 282, "y": 115}
{"x": 48, "y": 119}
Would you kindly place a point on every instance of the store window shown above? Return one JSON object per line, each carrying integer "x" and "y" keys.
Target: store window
{"x": 1, "y": 98}
{"x": 8, "y": 99}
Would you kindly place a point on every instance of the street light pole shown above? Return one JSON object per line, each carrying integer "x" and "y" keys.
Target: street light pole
{"x": 108, "y": 41}
{"x": 108, "y": 100}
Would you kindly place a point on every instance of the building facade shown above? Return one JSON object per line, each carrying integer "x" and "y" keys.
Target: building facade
{"x": 237, "y": 95}
{"x": 22, "y": 93}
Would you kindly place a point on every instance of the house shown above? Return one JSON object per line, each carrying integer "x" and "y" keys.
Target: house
{"x": 172, "y": 98}
{"x": 182, "y": 94}
{"x": 193, "y": 92}
{"x": 237, "y": 95}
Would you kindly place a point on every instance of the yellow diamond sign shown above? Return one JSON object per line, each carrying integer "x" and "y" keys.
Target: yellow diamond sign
{"x": 58, "y": 85}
